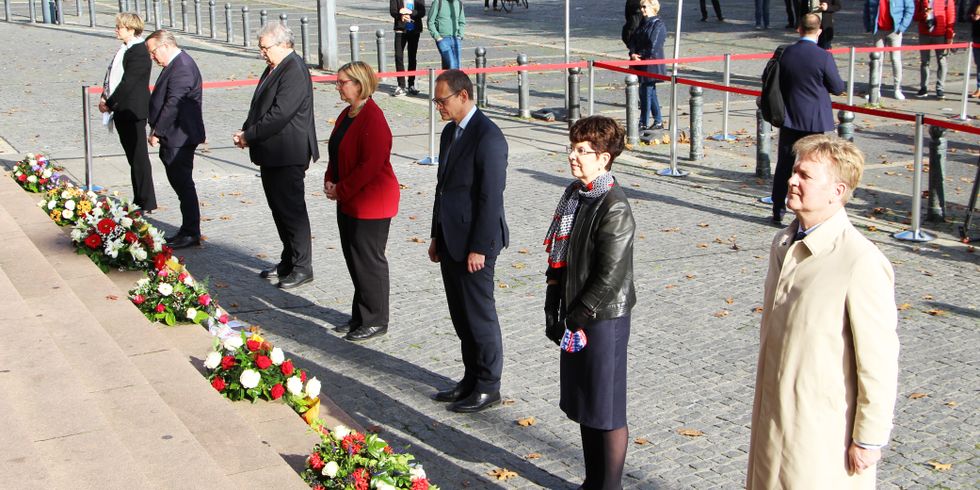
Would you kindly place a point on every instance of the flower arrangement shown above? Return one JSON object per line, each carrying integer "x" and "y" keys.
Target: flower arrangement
{"x": 35, "y": 173}
{"x": 114, "y": 234}
{"x": 67, "y": 204}
{"x": 245, "y": 366}
{"x": 171, "y": 295}
{"x": 346, "y": 459}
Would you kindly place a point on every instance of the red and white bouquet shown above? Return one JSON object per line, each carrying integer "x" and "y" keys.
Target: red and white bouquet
{"x": 36, "y": 174}
{"x": 171, "y": 295}
{"x": 115, "y": 235}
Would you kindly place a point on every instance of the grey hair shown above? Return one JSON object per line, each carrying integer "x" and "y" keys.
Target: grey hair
{"x": 278, "y": 33}
{"x": 163, "y": 37}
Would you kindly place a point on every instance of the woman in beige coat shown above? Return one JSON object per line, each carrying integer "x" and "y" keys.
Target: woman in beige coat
{"x": 828, "y": 353}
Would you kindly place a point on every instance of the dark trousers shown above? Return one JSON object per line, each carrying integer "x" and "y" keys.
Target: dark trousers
{"x": 791, "y": 17}
{"x": 179, "y": 163}
{"x": 826, "y": 37}
{"x": 284, "y": 190}
{"x": 784, "y": 167}
{"x": 363, "y": 243}
{"x": 486, "y": 3}
{"x": 474, "y": 314}
{"x": 132, "y": 137}
{"x": 410, "y": 40}
{"x": 715, "y": 5}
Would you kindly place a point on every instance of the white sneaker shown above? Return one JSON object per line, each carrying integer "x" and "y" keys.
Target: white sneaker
{"x": 398, "y": 92}
{"x": 899, "y": 95}
{"x": 486, "y": 9}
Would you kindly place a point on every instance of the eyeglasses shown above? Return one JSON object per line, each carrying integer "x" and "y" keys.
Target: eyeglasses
{"x": 443, "y": 100}
{"x": 580, "y": 150}
{"x": 153, "y": 51}
{"x": 341, "y": 83}
{"x": 266, "y": 48}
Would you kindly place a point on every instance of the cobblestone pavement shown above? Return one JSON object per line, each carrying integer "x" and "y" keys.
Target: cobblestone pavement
{"x": 700, "y": 264}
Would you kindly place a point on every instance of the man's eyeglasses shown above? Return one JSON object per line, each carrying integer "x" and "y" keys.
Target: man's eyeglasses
{"x": 153, "y": 51}
{"x": 266, "y": 48}
{"x": 579, "y": 150}
{"x": 443, "y": 100}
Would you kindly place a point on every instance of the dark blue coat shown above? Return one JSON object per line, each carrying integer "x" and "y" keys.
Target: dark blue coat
{"x": 175, "y": 105}
{"x": 807, "y": 77}
{"x": 648, "y": 42}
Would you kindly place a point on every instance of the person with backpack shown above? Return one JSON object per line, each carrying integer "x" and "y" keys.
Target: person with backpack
{"x": 446, "y": 23}
{"x": 807, "y": 77}
{"x": 647, "y": 43}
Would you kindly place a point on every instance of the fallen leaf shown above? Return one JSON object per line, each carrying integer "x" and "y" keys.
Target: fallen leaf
{"x": 690, "y": 432}
{"x": 374, "y": 429}
{"x": 670, "y": 286}
{"x": 225, "y": 218}
{"x": 641, "y": 441}
{"x": 720, "y": 314}
{"x": 403, "y": 186}
{"x": 523, "y": 251}
{"x": 936, "y": 312}
{"x": 702, "y": 245}
{"x": 872, "y": 228}
{"x": 111, "y": 297}
{"x": 936, "y": 465}
{"x": 417, "y": 239}
{"x": 670, "y": 230}
{"x": 508, "y": 402}
{"x": 519, "y": 265}
{"x": 220, "y": 285}
{"x": 928, "y": 297}
{"x": 757, "y": 309}
{"x": 413, "y": 217}
{"x": 917, "y": 395}
{"x": 904, "y": 306}
{"x": 533, "y": 456}
{"x": 503, "y": 285}
{"x": 951, "y": 404}
{"x": 261, "y": 256}
{"x": 690, "y": 276}
{"x": 730, "y": 300}
{"x": 526, "y": 421}
{"x": 703, "y": 225}
{"x": 503, "y": 474}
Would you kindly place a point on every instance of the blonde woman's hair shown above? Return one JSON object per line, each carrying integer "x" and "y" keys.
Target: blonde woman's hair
{"x": 845, "y": 159}
{"x": 653, "y": 4}
{"x": 130, "y": 20}
{"x": 363, "y": 74}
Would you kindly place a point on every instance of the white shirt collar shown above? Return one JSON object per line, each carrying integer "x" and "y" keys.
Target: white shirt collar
{"x": 466, "y": 120}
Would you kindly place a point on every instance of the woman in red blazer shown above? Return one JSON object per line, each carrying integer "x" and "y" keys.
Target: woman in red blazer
{"x": 360, "y": 178}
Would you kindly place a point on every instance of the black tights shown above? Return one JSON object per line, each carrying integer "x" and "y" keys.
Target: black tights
{"x": 605, "y": 456}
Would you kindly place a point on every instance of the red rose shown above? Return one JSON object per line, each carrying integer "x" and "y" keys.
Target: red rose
{"x": 277, "y": 391}
{"x": 315, "y": 461}
{"x": 302, "y": 376}
{"x": 130, "y": 237}
{"x": 93, "y": 241}
{"x": 22, "y": 178}
{"x": 181, "y": 276}
{"x": 204, "y": 299}
{"x": 42, "y": 180}
{"x": 253, "y": 345}
{"x": 218, "y": 383}
{"x": 139, "y": 299}
{"x": 319, "y": 487}
{"x": 263, "y": 362}
{"x": 106, "y": 225}
{"x": 159, "y": 261}
{"x": 420, "y": 484}
{"x": 227, "y": 362}
{"x": 287, "y": 368}
{"x": 223, "y": 318}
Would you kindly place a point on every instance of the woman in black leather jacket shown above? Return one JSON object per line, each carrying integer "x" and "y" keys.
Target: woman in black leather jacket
{"x": 590, "y": 295}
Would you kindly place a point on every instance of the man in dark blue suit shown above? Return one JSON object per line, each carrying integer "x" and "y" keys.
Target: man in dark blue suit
{"x": 177, "y": 125}
{"x": 807, "y": 77}
{"x": 468, "y": 231}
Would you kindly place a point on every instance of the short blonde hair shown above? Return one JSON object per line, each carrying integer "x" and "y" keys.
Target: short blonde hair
{"x": 363, "y": 74}
{"x": 130, "y": 21}
{"x": 653, "y": 4}
{"x": 845, "y": 159}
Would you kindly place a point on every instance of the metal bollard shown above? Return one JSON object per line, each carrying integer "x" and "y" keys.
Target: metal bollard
{"x": 183, "y": 15}
{"x": 632, "y": 109}
{"x": 136, "y": 7}
{"x": 87, "y": 133}
{"x": 523, "y": 90}
{"x": 78, "y": 8}
{"x": 433, "y": 158}
{"x": 59, "y": 7}
{"x": 147, "y": 9}
{"x": 284, "y": 20}
{"x": 212, "y": 19}
{"x": 382, "y": 64}
{"x": 966, "y": 82}
{"x": 263, "y": 17}
{"x": 170, "y": 13}
{"x": 197, "y": 17}
{"x": 246, "y": 37}
{"x": 156, "y": 14}
{"x": 673, "y": 171}
{"x": 481, "y": 78}
{"x": 763, "y": 147}
{"x": 846, "y": 127}
{"x": 916, "y": 234}
{"x": 697, "y": 132}
{"x": 228, "y": 28}
{"x": 326, "y": 23}
{"x": 304, "y": 35}
{"x": 123, "y": 5}
{"x": 6, "y": 10}
{"x": 574, "y": 98}
{"x": 31, "y": 11}
{"x": 591, "y": 65}
{"x": 91, "y": 13}
{"x": 355, "y": 48}
{"x": 725, "y": 105}
{"x": 937, "y": 170}
{"x": 874, "y": 87}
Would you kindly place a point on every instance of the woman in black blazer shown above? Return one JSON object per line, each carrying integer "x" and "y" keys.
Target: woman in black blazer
{"x": 590, "y": 295}
{"x": 126, "y": 95}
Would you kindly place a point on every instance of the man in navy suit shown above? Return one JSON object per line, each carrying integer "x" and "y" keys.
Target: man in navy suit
{"x": 177, "y": 125}
{"x": 807, "y": 77}
{"x": 280, "y": 135}
{"x": 468, "y": 231}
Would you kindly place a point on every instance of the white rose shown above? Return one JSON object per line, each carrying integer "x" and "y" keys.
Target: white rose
{"x": 46, "y": 174}
{"x": 32, "y": 178}
{"x": 166, "y": 290}
{"x": 189, "y": 281}
{"x": 341, "y": 431}
{"x": 277, "y": 356}
{"x": 233, "y": 343}
{"x": 76, "y": 235}
{"x": 330, "y": 469}
{"x": 313, "y": 387}
{"x": 69, "y": 204}
{"x": 250, "y": 378}
{"x": 417, "y": 473}
{"x": 52, "y": 204}
{"x": 67, "y": 214}
{"x": 191, "y": 314}
{"x": 213, "y": 359}
{"x": 294, "y": 385}
{"x": 65, "y": 194}
{"x": 126, "y": 222}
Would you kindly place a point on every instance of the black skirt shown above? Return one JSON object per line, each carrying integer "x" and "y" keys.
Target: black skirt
{"x": 593, "y": 380}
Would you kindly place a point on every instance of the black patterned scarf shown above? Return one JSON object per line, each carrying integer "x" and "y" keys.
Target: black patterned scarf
{"x": 556, "y": 240}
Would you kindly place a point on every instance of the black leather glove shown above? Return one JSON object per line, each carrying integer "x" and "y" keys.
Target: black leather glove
{"x": 553, "y": 328}
{"x": 578, "y": 316}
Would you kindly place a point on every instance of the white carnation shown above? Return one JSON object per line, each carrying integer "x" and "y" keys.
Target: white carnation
{"x": 67, "y": 214}
{"x": 277, "y": 356}
{"x": 382, "y": 485}
{"x": 233, "y": 343}
{"x": 213, "y": 359}
{"x": 65, "y": 194}
{"x": 294, "y": 385}
{"x": 126, "y": 222}
{"x": 191, "y": 314}
{"x": 330, "y": 469}
{"x": 142, "y": 282}
{"x": 32, "y": 178}
{"x": 250, "y": 378}
{"x": 341, "y": 431}
{"x": 189, "y": 281}
{"x": 52, "y": 204}
{"x": 46, "y": 174}
{"x": 417, "y": 473}
{"x": 313, "y": 388}
{"x": 76, "y": 235}
{"x": 166, "y": 290}
{"x": 69, "y": 204}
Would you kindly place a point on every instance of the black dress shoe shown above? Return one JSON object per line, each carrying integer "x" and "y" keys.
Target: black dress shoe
{"x": 475, "y": 402}
{"x": 270, "y": 272}
{"x": 183, "y": 241}
{"x": 295, "y": 279}
{"x": 455, "y": 394}
{"x": 347, "y": 327}
{"x": 364, "y": 332}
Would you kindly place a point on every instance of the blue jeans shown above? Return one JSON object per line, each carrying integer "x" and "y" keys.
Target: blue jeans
{"x": 449, "y": 50}
{"x": 976, "y": 61}
{"x": 649, "y": 102}
{"x": 762, "y": 13}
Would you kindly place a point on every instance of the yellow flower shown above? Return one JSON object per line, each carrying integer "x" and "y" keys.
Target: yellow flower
{"x": 256, "y": 337}
{"x": 84, "y": 207}
{"x": 55, "y": 215}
